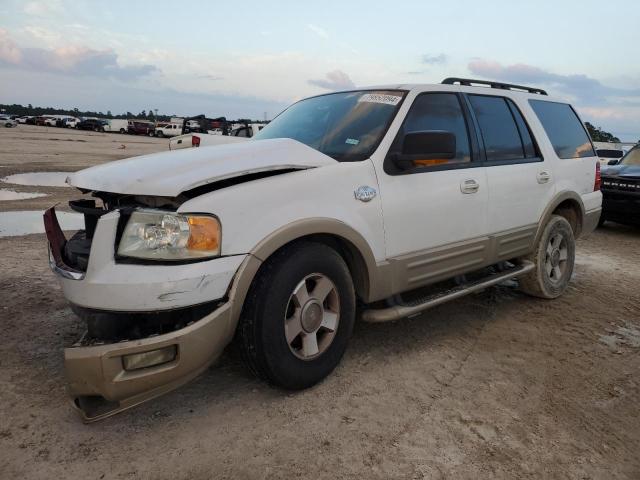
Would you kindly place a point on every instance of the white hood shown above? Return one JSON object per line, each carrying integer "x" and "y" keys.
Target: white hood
{"x": 168, "y": 174}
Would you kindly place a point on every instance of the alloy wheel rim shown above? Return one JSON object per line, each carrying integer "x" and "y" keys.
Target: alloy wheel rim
{"x": 556, "y": 256}
{"x": 312, "y": 316}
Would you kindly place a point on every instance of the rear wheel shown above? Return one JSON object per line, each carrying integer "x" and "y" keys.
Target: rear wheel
{"x": 554, "y": 257}
{"x": 298, "y": 316}
{"x": 123, "y": 131}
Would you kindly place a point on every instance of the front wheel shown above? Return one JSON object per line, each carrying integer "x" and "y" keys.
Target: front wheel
{"x": 298, "y": 316}
{"x": 554, "y": 257}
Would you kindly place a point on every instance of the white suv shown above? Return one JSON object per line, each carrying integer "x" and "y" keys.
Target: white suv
{"x": 397, "y": 197}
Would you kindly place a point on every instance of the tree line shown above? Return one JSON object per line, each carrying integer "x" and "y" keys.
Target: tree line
{"x": 30, "y": 110}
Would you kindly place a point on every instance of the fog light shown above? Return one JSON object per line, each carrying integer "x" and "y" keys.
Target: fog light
{"x": 136, "y": 361}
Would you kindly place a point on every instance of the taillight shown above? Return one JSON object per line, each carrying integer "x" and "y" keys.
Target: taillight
{"x": 195, "y": 142}
{"x": 596, "y": 184}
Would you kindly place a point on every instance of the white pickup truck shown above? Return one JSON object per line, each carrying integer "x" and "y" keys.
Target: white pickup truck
{"x": 396, "y": 198}
{"x": 168, "y": 129}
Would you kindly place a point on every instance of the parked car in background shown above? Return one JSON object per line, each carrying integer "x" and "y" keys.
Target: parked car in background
{"x": 71, "y": 122}
{"x": 50, "y": 121}
{"x": 40, "y": 121}
{"x": 116, "y": 125}
{"x": 606, "y": 155}
{"x": 23, "y": 119}
{"x": 140, "y": 127}
{"x": 7, "y": 121}
{"x": 387, "y": 200}
{"x": 621, "y": 189}
{"x": 168, "y": 129}
{"x": 97, "y": 125}
{"x": 67, "y": 122}
{"x": 189, "y": 140}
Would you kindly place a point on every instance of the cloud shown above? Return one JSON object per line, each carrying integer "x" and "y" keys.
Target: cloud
{"x": 336, "y": 80}
{"x": 41, "y": 8}
{"x": 440, "y": 59}
{"x": 70, "y": 60}
{"x": 211, "y": 77}
{"x": 321, "y": 32}
{"x": 587, "y": 90}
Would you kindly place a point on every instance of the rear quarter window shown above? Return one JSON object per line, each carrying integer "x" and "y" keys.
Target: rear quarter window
{"x": 564, "y": 129}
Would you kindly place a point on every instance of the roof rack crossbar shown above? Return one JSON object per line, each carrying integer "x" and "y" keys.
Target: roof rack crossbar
{"x": 469, "y": 82}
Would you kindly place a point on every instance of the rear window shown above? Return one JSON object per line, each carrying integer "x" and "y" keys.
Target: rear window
{"x": 564, "y": 129}
{"x": 606, "y": 153}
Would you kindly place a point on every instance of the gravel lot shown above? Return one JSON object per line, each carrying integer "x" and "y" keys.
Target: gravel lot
{"x": 498, "y": 385}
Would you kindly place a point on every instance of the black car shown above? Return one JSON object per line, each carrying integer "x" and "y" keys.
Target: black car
{"x": 92, "y": 124}
{"x": 621, "y": 189}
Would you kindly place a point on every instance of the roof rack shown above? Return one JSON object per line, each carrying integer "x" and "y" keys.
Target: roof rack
{"x": 469, "y": 82}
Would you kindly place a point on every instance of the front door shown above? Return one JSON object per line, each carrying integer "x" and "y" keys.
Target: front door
{"x": 435, "y": 211}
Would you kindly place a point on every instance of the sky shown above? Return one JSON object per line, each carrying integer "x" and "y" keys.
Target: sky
{"x": 248, "y": 59}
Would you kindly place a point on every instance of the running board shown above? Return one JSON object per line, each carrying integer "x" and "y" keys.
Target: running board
{"x": 400, "y": 311}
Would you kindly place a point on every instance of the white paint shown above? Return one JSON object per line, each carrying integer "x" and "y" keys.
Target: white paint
{"x": 27, "y": 222}
{"x": 171, "y": 173}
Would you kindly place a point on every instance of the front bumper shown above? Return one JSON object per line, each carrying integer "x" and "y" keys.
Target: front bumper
{"x": 98, "y": 381}
{"x": 100, "y": 386}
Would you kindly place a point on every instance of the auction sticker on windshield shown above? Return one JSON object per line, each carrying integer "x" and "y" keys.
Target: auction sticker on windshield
{"x": 380, "y": 98}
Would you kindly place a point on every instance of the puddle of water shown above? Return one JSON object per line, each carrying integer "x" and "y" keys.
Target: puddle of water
{"x": 38, "y": 179}
{"x": 13, "y": 195}
{"x": 26, "y": 222}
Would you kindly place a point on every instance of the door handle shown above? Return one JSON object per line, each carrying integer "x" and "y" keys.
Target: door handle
{"x": 469, "y": 186}
{"x": 543, "y": 177}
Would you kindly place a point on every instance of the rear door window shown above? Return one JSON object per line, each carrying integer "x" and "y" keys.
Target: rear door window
{"x": 500, "y": 132}
{"x": 564, "y": 129}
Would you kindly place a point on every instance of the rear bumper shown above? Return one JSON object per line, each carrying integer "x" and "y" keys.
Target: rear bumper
{"x": 100, "y": 386}
{"x": 590, "y": 221}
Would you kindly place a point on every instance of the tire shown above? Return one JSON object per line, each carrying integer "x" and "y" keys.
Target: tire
{"x": 554, "y": 258}
{"x": 150, "y": 133}
{"x": 159, "y": 134}
{"x": 123, "y": 131}
{"x": 274, "y": 298}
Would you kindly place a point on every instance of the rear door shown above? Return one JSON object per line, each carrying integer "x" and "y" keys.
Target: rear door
{"x": 435, "y": 213}
{"x": 520, "y": 181}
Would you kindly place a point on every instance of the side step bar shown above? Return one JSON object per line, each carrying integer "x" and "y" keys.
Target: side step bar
{"x": 400, "y": 311}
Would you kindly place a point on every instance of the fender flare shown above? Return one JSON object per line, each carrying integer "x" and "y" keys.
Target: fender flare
{"x": 551, "y": 207}
{"x": 374, "y": 285}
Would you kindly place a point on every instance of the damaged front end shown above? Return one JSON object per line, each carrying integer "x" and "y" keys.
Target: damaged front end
{"x": 151, "y": 326}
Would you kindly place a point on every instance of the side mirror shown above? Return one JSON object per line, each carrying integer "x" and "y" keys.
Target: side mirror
{"x": 426, "y": 145}
{"x": 612, "y": 162}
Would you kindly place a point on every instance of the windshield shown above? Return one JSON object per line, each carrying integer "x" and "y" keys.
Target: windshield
{"x": 346, "y": 126}
{"x": 632, "y": 157}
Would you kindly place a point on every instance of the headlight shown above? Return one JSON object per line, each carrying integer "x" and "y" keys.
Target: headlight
{"x": 156, "y": 235}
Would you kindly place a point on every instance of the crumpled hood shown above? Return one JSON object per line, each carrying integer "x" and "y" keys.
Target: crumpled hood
{"x": 168, "y": 174}
{"x": 622, "y": 171}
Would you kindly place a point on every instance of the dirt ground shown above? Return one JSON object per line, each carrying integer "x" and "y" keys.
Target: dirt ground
{"x": 497, "y": 385}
